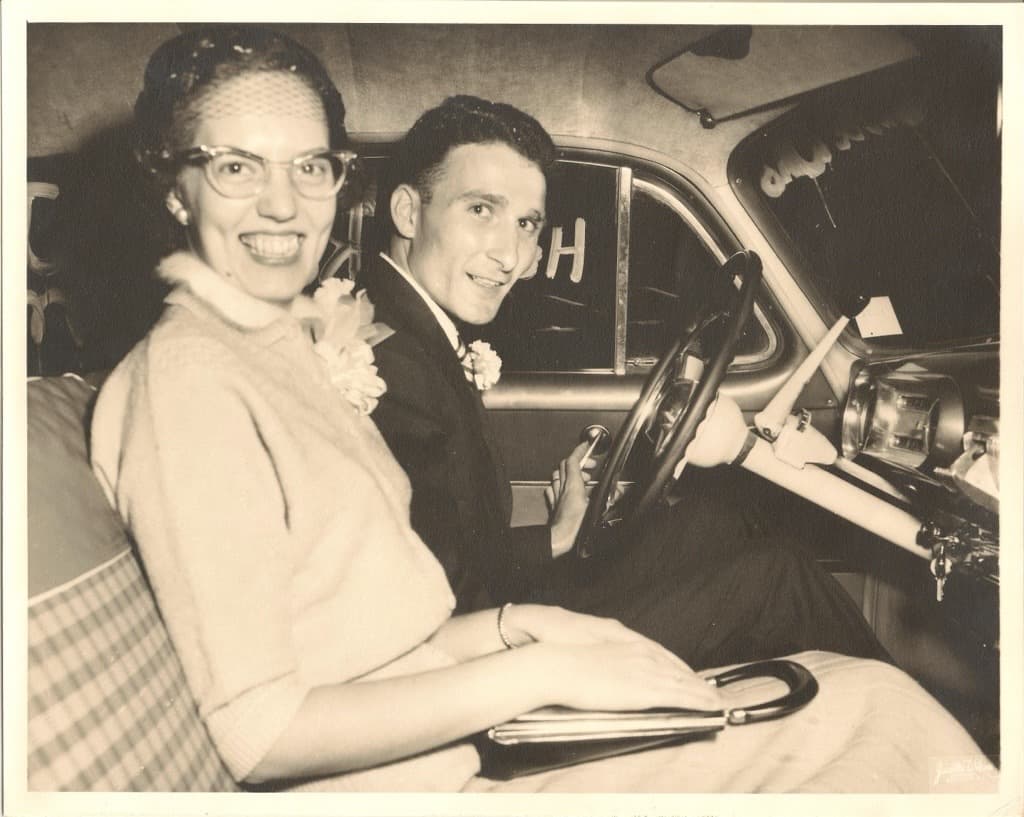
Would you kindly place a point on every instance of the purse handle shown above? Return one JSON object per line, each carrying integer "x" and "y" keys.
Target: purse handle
{"x": 802, "y": 689}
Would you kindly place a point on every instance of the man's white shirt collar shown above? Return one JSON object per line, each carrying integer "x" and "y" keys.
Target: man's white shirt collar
{"x": 442, "y": 318}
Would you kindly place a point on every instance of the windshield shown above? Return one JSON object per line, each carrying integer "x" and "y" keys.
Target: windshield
{"x": 890, "y": 189}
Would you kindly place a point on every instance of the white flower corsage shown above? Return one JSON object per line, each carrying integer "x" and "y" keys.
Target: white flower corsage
{"x": 343, "y": 334}
{"x": 481, "y": 364}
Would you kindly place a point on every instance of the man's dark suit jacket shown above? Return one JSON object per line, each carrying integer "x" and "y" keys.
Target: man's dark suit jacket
{"x": 433, "y": 420}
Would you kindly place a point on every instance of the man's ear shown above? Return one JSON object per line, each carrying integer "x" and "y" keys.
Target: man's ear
{"x": 405, "y": 210}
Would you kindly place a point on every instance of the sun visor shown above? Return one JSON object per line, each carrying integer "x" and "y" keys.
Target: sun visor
{"x": 739, "y": 69}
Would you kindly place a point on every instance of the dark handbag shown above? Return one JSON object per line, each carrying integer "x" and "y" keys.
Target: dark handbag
{"x": 554, "y": 737}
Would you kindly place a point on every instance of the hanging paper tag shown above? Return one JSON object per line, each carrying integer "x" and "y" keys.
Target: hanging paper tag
{"x": 878, "y": 319}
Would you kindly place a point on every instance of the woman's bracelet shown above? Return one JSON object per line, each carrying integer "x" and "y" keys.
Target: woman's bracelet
{"x": 501, "y": 626}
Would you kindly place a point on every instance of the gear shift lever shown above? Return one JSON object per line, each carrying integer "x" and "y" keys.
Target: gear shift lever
{"x": 598, "y": 437}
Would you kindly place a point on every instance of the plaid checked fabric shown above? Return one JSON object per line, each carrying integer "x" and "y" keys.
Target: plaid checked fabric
{"x": 109, "y": 709}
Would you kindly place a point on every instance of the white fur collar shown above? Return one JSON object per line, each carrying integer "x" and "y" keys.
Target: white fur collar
{"x": 237, "y": 306}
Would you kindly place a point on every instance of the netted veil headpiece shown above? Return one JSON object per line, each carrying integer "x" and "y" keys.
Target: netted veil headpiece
{"x": 183, "y": 74}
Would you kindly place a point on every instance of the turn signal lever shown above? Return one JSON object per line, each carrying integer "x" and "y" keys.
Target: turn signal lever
{"x": 770, "y": 420}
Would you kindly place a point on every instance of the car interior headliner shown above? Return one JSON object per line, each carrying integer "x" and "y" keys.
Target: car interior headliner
{"x": 583, "y": 82}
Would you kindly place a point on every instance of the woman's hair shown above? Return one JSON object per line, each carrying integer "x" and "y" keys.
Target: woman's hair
{"x": 183, "y": 71}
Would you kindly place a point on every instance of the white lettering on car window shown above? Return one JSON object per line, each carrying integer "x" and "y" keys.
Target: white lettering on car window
{"x": 578, "y": 251}
{"x": 791, "y": 164}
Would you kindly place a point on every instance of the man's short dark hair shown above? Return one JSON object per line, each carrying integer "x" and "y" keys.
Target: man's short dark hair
{"x": 464, "y": 120}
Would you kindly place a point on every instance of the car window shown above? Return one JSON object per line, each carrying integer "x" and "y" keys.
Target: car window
{"x": 358, "y": 235}
{"x": 563, "y": 318}
{"x": 594, "y": 276}
{"x": 891, "y": 192}
{"x": 671, "y": 273}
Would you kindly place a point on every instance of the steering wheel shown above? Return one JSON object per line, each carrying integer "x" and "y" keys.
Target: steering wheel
{"x": 673, "y": 403}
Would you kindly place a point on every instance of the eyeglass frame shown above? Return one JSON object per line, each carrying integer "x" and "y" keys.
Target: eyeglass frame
{"x": 207, "y": 153}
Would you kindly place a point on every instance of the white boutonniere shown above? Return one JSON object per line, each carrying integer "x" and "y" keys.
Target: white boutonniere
{"x": 344, "y": 334}
{"x": 481, "y": 364}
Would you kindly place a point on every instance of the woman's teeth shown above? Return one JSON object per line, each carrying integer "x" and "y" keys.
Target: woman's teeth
{"x": 272, "y": 246}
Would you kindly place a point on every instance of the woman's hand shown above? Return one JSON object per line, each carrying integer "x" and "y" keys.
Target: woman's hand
{"x": 525, "y": 623}
{"x": 622, "y": 675}
{"x": 605, "y": 664}
{"x": 567, "y": 499}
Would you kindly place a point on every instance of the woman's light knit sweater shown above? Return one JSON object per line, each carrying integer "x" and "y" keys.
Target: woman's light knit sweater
{"x": 272, "y": 520}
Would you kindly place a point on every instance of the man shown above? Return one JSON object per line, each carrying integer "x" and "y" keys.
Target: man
{"x": 466, "y": 202}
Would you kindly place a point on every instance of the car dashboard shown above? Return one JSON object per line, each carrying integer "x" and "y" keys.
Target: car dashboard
{"x": 929, "y": 425}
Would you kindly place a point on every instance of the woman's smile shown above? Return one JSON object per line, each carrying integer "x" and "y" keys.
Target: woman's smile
{"x": 273, "y": 248}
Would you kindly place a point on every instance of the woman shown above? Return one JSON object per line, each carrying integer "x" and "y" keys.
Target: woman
{"x": 314, "y": 627}
{"x": 222, "y": 441}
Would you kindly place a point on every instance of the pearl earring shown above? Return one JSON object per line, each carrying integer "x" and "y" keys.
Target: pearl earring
{"x": 178, "y": 210}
